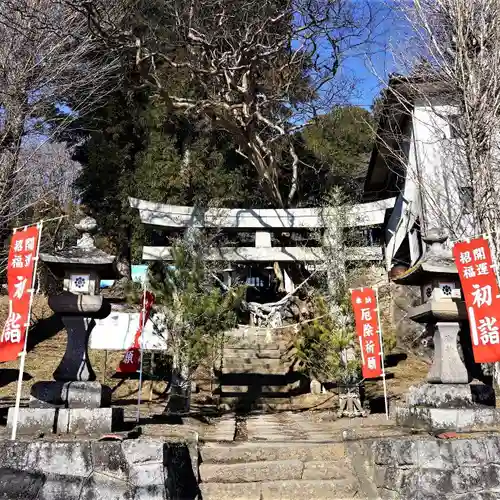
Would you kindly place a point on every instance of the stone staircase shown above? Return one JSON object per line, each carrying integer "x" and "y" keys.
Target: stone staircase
{"x": 255, "y": 373}
{"x": 276, "y": 470}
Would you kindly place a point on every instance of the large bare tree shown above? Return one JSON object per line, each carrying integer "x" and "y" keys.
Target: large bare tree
{"x": 259, "y": 69}
{"x": 47, "y": 57}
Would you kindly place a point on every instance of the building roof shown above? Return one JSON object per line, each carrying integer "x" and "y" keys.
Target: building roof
{"x": 438, "y": 261}
{"x": 385, "y": 172}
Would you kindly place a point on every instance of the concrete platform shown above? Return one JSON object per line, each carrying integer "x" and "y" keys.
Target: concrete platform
{"x": 451, "y": 395}
{"x": 454, "y": 419}
{"x": 33, "y": 421}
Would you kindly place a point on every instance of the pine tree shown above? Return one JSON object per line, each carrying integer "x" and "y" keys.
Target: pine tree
{"x": 195, "y": 313}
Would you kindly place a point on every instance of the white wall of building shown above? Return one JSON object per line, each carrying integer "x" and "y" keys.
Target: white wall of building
{"x": 435, "y": 175}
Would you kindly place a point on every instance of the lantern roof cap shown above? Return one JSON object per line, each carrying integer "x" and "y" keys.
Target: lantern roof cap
{"x": 437, "y": 261}
{"x": 83, "y": 254}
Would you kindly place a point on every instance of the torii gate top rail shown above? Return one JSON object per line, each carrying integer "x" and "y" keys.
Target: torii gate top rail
{"x": 263, "y": 221}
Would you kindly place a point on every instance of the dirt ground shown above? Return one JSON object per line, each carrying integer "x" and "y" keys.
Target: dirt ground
{"x": 47, "y": 342}
{"x": 46, "y": 346}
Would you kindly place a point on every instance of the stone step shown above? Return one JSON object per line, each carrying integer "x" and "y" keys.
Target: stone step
{"x": 236, "y": 365}
{"x": 255, "y": 344}
{"x": 253, "y": 330}
{"x": 241, "y": 352}
{"x": 309, "y": 489}
{"x": 280, "y": 490}
{"x": 252, "y": 360}
{"x": 254, "y": 370}
{"x": 250, "y": 472}
{"x": 231, "y": 491}
{"x": 259, "y": 379}
{"x": 262, "y": 403}
{"x": 256, "y": 452}
{"x": 235, "y": 390}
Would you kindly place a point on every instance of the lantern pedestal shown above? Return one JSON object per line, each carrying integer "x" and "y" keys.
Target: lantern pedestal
{"x": 450, "y": 395}
{"x": 447, "y": 419}
{"x": 74, "y": 402}
{"x": 448, "y": 401}
{"x": 447, "y": 366}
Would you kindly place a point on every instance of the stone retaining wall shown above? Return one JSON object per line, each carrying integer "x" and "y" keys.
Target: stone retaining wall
{"x": 433, "y": 469}
{"x": 143, "y": 469}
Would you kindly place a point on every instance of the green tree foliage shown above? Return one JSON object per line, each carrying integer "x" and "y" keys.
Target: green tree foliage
{"x": 196, "y": 313}
{"x": 113, "y": 136}
{"x": 143, "y": 144}
{"x": 136, "y": 148}
{"x": 190, "y": 163}
{"x": 339, "y": 146}
{"x": 321, "y": 345}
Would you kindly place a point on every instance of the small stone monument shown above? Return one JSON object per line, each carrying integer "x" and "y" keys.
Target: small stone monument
{"x": 349, "y": 393}
{"x": 448, "y": 400}
{"x": 74, "y": 402}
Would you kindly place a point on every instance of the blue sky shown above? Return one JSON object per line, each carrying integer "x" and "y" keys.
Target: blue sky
{"x": 371, "y": 66}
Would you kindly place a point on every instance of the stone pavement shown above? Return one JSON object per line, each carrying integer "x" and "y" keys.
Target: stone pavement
{"x": 286, "y": 456}
{"x": 308, "y": 426}
{"x": 281, "y": 427}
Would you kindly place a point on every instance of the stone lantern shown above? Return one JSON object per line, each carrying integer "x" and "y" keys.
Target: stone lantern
{"x": 75, "y": 401}
{"x": 442, "y": 401}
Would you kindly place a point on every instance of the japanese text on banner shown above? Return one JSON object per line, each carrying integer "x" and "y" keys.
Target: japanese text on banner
{"x": 480, "y": 287}
{"x": 20, "y": 268}
{"x": 364, "y": 304}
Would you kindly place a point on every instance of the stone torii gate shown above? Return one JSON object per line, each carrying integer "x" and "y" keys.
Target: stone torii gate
{"x": 263, "y": 223}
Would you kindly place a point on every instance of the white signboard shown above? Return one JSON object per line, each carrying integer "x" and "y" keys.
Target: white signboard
{"x": 117, "y": 332}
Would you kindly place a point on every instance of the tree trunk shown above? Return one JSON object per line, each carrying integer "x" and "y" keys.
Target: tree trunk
{"x": 179, "y": 402}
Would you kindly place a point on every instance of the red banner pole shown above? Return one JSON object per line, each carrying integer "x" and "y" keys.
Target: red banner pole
{"x": 24, "y": 351}
{"x": 143, "y": 321}
{"x": 494, "y": 261}
{"x": 382, "y": 353}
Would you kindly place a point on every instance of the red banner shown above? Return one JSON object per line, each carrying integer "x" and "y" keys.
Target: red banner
{"x": 481, "y": 294}
{"x": 364, "y": 304}
{"x": 22, "y": 256}
{"x": 132, "y": 360}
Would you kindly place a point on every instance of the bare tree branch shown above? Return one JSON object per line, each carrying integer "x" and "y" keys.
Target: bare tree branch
{"x": 48, "y": 60}
{"x": 262, "y": 68}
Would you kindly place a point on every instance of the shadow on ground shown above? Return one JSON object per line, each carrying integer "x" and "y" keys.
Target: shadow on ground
{"x": 9, "y": 375}
{"x": 44, "y": 329}
{"x": 392, "y": 360}
{"x": 260, "y": 387}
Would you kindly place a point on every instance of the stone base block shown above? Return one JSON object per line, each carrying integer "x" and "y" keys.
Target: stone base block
{"x": 454, "y": 419}
{"x": 78, "y": 394}
{"x": 450, "y": 395}
{"x": 33, "y": 421}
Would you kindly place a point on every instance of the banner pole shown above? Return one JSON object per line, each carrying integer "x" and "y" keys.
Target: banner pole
{"x": 23, "y": 353}
{"x": 143, "y": 321}
{"x": 496, "y": 270}
{"x": 382, "y": 353}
